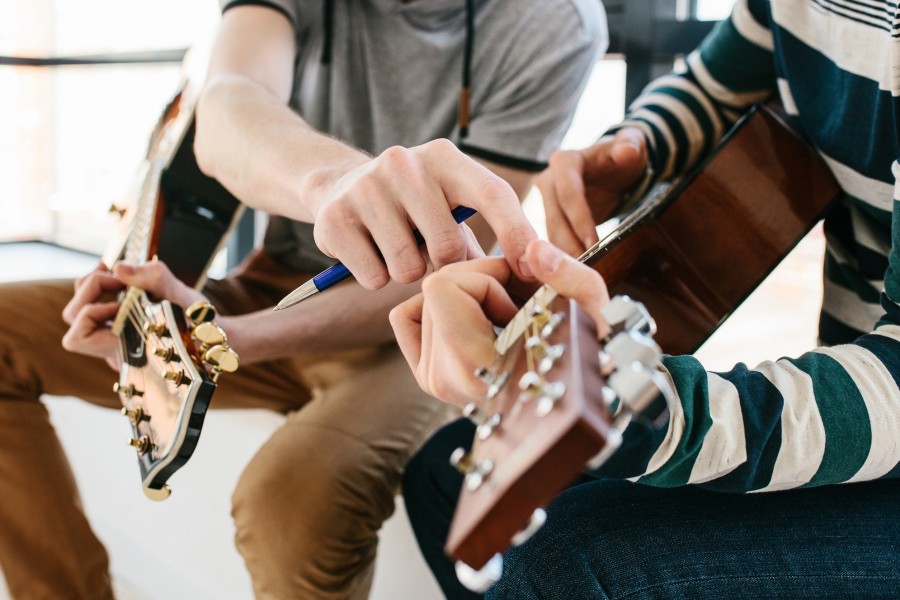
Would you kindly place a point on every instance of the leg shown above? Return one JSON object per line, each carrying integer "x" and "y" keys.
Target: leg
{"x": 430, "y": 489}
{"x": 614, "y": 539}
{"x": 47, "y": 549}
{"x": 309, "y": 505}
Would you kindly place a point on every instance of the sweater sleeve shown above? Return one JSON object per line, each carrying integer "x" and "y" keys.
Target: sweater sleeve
{"x": 829, "y": 416}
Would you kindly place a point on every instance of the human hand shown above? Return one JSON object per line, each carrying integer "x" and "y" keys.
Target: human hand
{"x": 446, "y": 331}
{"x": 366, "y": 214}
{"x": 581, "y": 188}
{"x": 89, "y": 312}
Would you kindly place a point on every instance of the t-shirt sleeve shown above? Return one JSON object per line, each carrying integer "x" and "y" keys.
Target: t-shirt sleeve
{"x": 528, "y": 106}
{"x": 291, "y": 10}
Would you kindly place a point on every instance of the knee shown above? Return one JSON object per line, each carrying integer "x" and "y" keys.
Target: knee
{"x": 312, "y": 514}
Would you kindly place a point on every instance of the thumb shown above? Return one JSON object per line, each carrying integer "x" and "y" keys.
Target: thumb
{"x": 570, "y": 278}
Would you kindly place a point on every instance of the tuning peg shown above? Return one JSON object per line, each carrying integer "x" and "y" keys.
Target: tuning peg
{"x": 631, "y": 346}
{"x": 166, "y": 354}
{"x": 127, "y": 391}
{"x": 141, "y": 444}
{"x": 550, "y": 394}
{"x": 135, "y": 415}
{"x": 176, "y": 376}
{"x": 222, "y": 357}
{"x": 624, "y": 313}
{"x": 209, "y": 334}
{"x": 537, "y": 520}
{"x": 552, "y": 323}
{"x": 475, "y": 472}
{"x": 200, "y": 312}
{"x": 151, "y": 328}
{"x": 479, "y": 581}
{"x": 640, "y": 388}
{"x": 497, "y": 385}
{"x": 115, "y": 208}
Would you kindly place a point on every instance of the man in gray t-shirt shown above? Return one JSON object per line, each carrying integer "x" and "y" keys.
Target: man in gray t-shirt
{"x": 335, "y": 113}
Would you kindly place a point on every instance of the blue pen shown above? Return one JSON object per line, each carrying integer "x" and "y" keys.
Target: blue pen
{"x": 337, "y": 273}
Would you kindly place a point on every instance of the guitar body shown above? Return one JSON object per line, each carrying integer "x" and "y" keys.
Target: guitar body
{"x": 691, "y": 252}
{"x": 169, "y": 360}
{"x": 720, "y": 231}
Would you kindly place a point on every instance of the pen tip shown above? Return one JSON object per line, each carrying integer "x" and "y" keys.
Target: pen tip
{"x": 299, "y": 295}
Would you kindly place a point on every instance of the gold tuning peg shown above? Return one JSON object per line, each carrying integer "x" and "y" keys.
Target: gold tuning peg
{"x": 135, "y": 415}
{"x": 209, "y": 334}
{"x": 151, "y": 328}
{"x": 176, "y": 376}
{"x": 115, "y": 208}
{"x": 201, "y": 312}
{"x": 141, "y": 444}
{"x": 223, "y": 358}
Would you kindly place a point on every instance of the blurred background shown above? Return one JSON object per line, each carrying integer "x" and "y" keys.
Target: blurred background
{"x": 83, "y": 84}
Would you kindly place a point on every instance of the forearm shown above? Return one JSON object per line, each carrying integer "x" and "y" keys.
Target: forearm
{"x": 345, "y": 317}
{"x": 267, "y": 155}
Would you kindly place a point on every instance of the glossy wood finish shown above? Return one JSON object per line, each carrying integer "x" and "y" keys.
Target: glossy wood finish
{"x": 721, "y": 231}
{"x": 534, "y": 456}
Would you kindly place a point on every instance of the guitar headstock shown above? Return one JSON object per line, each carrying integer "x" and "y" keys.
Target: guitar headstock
{"x": 171, "y": 360}
{"x": 556, "y": 403}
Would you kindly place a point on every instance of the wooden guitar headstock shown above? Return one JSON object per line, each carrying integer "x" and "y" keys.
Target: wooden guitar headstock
{"x": 556, "y": 403}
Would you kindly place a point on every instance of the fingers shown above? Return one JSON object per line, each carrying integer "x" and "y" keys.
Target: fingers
{"x": 571, "y": 279}
{"x": 89, "y": 334}
{"x": 465, "y": 182}
{"x": 157, "y": 280}
{"x": 89, "y": 289}
{"x": 569, "y": 219}
{"x": 447, "y": 330}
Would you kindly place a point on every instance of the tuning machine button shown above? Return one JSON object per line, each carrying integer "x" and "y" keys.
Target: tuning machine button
{"x": 166, "y": 354}
{"x": 209, "y": 334}
{"x": 479, "y": 581}
{"x": 222, "y": 357}
{"x": 141, "y": 444}
{"x": 176, "y": 376}
{"x": 475, "y": 472}
{"x": 537, "y": 520}
{"x": 643, "y": 391}
{"x": 200, "y": 312}
{"x": 623, "y": 313}
{"x": 155, "y": 329}
{"x": 550, "y": 394}
{"x": 126, "y": 391}
{"x": 135, "y": 415}
{"x": 632, "y": 346}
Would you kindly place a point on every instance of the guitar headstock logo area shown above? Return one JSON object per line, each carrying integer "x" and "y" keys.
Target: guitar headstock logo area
{"x": 554, "y": 405}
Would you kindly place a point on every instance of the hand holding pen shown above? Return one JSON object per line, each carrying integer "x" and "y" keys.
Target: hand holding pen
{"x": 338, "y": 273}
{"x": 364, "y": 213}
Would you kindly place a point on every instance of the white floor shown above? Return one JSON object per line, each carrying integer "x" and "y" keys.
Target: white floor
{"x": 180, "y": 549}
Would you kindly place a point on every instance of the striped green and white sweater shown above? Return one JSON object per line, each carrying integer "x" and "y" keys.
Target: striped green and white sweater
{"x": 833, "y": 414}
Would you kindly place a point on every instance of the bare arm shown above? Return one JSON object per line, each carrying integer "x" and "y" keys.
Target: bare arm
{"x": 364, "y": 208}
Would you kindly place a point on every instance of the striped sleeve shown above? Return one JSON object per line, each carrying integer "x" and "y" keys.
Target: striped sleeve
{"x": 831, "y": 415}
{"x": 683, "y": 115}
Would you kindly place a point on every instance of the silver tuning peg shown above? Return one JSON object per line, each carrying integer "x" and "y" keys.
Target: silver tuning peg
{"x": 623, "y": 313}
{"x": 537, "y": 520}
{"x": 631, "y": 346}
{"x": 479, "y": 581}
{"x": 644, "y": 392}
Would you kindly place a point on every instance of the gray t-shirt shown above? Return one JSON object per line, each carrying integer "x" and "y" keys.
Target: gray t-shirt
{"x": 394, "y": 77}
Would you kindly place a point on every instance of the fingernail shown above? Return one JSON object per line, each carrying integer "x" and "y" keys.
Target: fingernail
{"x": 549, "y": 257}
{"x": 524, "y": 268}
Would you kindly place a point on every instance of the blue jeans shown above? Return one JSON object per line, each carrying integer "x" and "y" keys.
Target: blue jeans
{"x": 614, "y": 539}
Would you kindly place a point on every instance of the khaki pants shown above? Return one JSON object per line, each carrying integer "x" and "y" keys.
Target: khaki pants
{"x": 307, "y": 507}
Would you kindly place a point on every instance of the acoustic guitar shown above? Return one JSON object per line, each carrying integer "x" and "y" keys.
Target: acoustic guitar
{"x": 690, "y": 253}
{"x": 170, "y": 358}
